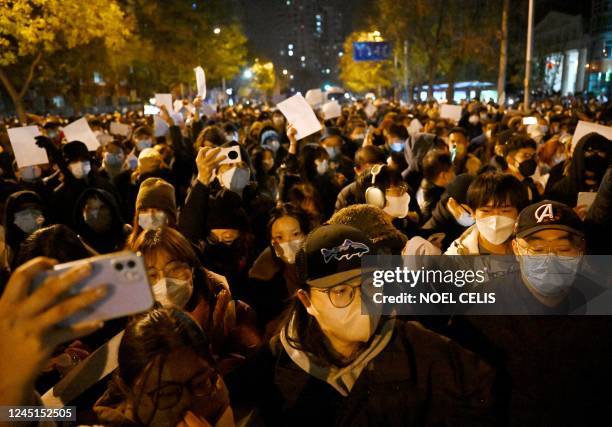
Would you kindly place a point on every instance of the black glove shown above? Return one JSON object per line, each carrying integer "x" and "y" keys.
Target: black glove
{"x": 43, "y": 141}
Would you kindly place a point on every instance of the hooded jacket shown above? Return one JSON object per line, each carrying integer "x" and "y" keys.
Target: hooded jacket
{"x": 13, "y": 234}
{"x": 567, "y": 189}
{"x": 112, "y": 240}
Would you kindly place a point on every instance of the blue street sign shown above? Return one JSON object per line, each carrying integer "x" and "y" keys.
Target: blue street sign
{"x": 371, "y": 51}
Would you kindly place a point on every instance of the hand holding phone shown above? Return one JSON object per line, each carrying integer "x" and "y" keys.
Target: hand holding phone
{"x": 124, "y": 274}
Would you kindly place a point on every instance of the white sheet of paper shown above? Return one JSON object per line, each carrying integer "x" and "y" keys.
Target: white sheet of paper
{"x": 161, "y": 127}
{"x": 299, "y": 113}
{"x": 80, "y": 131}
{"x": 27, "y": 153}
{"x": 370, "y": 110}
{"x": 117, "y": 128}
{"x": 200, "y": 81}
{"x": 164, "y": 99}
{"x": 314, "y": 97}
{"x": 451, "y": 112}
{"x": 331, "y": 110}
{"x": 586, "y": 198}
{"x": 584, "y": 128}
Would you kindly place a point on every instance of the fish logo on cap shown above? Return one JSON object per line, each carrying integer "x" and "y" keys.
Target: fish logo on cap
{"x": 347, "y": 250}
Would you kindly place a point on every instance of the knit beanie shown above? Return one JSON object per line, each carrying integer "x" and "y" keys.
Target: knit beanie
{"x": 156, "y": 193}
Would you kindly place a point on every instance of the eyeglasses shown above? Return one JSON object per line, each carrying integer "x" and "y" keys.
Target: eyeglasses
{"x": 176, "y": 270}
{"x": 171, "y": 393}
{"x": 566, "y": 248}
{"x": 341, "y": 295}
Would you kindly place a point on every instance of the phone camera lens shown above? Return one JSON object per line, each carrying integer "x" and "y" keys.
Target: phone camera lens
{"x": 131, "y": 264}
{"x": 232, "y": 155}
{"x": 119, "y": 266}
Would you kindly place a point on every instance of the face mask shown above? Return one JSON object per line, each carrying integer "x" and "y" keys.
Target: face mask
{"x": 489, "y": 134}
{"x": 346, "y": 324}
{"x": 97, "y": 221}
{"x": 397, "y": 146}
{"x": 29, "y": 220}
{"x": 152, "y": 221}
{"x": 273, "y": 145}
{"x": 551, "y": 275}
{"x": 80, "y": 169}
{"x": 543, "y": 129}
{"x": 235, "y": 179}
{"x": 267, "y": 164}
{"x": 596, "y": 164}
{"x": 288, "y": 250}
{"x": 453, "y": 152}
{"x": 465, "y": 219}
{"x": 170, "y": 292}
{"x": 30, "y": 173}
{"x": 322, "y": 167}
{"x": 52, "y": 134}
{"x": 143, "y": 143}
{"x": 527, "y": 167}
{"x": 397, "y": 206}
{"x": 496, "y": 228}
{"x": 331, "y": 151}
{"x": 359, "y": 137}
{"x": 474, "y": 119}
{"x": 113, "y": 161}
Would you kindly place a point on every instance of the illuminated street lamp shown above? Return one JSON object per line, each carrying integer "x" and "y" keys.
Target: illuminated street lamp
{"x": 217, "y": 30}
{"x": 247, "y": 74}
{"x": 285, "y": 72}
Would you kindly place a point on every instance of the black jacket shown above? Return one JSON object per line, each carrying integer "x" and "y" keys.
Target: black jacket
{"x": 419, "y": 379}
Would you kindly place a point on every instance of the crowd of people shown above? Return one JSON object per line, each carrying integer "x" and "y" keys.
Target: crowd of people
{"x": 258, "y": 319}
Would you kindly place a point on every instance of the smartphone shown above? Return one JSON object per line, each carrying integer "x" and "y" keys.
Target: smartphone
{"x": 232, "y": 155}
{"x": 530, "y": 121}
{"x": 151, "y": 110}
{"x": 125, "y": 275}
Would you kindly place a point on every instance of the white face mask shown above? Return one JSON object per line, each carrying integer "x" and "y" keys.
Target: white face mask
{"x": 152, "y": 220}
{"x": 331, "y": 151}
{"x": 288, "y": 250}
{"x": 80, "y": 169}
{"x": 489, "y": 134}
{"x": 170, "y": 292}
{"x": 346, "y": 324}
{"x": 550, "y": 275}
{"x": 496, "y": 228}
{"x": 397, "y": 206}
{"x": 144, "y": 143}
{"x": 29, "y": 220}
{"x": 235, "y": 179}
{"x": 322, "y": 166}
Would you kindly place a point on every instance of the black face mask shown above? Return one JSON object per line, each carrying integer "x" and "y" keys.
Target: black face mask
{"x": 527, "y": 167}
{"x": 597, "y": 165}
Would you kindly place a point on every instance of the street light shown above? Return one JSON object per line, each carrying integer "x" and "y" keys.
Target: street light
{"x": 247, "y": 74}
{"x": 285, "y": 72}
{"x": 217, "y": 30}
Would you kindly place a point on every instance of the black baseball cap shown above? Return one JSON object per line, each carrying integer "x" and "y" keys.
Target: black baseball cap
{"x": 331, "y": 255}
{"x": 547, "y": 215}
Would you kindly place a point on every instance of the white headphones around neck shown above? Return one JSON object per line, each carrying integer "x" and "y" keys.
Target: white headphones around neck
{"x": 374, "y": 196}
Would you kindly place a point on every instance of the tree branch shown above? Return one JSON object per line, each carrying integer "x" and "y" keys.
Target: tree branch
{"x": 28, "y": 80}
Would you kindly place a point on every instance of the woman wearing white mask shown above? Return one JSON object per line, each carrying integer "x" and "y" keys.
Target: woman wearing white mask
{"x": 155, "y": 206}
{"x": 178, "y": 280}
{"x": 333, "y": 364}
{"x": 494, "y": 200}
{"x": 273, "y": 272}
